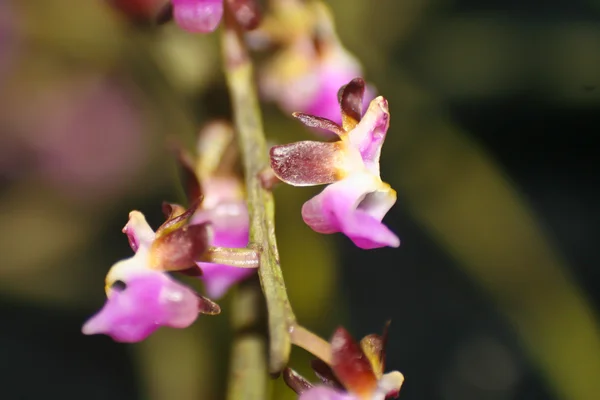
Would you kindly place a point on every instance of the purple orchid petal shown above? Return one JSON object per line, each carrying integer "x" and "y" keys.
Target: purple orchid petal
{"x": 218, "y": 278}
{"x": 202, "y": 16}
{"x": 325, "y": 393}
{"x": 354, "y": 206}
{"x": 139, "y": 233}
{"x": 369, "y": 134}
{"x": 230, "y": 225}
{"x": 148, "y": 302}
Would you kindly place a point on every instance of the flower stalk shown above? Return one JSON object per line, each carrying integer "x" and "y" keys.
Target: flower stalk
{"x": 239, "y": 258}
{"x": 252, "y": 142}
{"x": 312, "y": 343}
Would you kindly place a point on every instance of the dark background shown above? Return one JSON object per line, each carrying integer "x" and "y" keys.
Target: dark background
{"x": 513, "y": 83}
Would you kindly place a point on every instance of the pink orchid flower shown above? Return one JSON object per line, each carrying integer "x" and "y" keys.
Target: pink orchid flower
{"x": 306, "y": 74}
{"x": 141, "y": 296}
{"x": 356, "y": 371}
{"x": 223, "y": 207}
{"x": 356, "y": 199}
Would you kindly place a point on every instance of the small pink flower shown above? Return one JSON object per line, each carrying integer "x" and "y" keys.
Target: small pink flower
{"x": 141, "y": 296}
{"x": 356, "y": 371}
{"x": 223, "y": 206}
{"x": 356, "y": 199}
{"x": 306, "y": 74}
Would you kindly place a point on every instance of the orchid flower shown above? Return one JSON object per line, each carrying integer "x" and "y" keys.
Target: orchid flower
{"x": 355, "y": 373}
{"x": 224, "y": 206}
{"x": 313, "y": 64}
{"x": 141, "y": 296}
{"x": 356, "y": 199}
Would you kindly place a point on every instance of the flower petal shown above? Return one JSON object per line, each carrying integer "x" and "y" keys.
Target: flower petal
{"x": 179, "y": 249}
{"x": 325, "y": 393}
{"x": 230, "y": 225}
{"x": 389, "y": 385}
{"x": 325, "y": 373}
{"x": 147, "y": 302}
{"x": 350, "y": 364}
{"x": 320, "y": 123}
{"x": 218, "y": 278}
{"x": 176, "y": 219}
{"x": 139, "y": 233}
{"x": 374, "y": 348}
{"x": 201, "y": 16}
{"x": 190, "y": 181}
{"x": 354, "y": 206}
{"x": 295, "y": 381}
{"x": 308, "y": 163}
{"x": 369, "y": 134}
{"x": 351, "y": 101}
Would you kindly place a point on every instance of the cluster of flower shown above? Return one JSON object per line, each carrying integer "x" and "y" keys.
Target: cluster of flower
{"x": 209, "y": 239}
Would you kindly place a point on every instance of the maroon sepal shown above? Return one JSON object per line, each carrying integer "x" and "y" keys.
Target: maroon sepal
{"x": 176, "y": 218}
{"x": 306, "y": 163}
{"x": 190, "y": 181}
{"x": 350, "y": 97}
{"x": 320, "y": 123}
{"x": 179, "y": 248}
{"x": 207, "y": 306}
{"x": 350, "y": 364}
{"x": 325, "y": 373}
{"x": 295, "y": 381}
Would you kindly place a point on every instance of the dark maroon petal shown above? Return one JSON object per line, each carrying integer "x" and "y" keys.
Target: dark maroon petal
{"x": 350, "y": 365}
{"x": 295, "y": 381}
{"x": 325, "y": 373}
{"x": 176, "y": 221}
{"x": 350, "y": 97}
{"x": 185, "y": 162}
{"x": 179, "y": 248}
{"x": 246, "y": 13}
{"x": 207, "y": 306}
{"x": 172, "y": 210}
{"x": 307, "y": 163}
{"x": 318, "y": 122}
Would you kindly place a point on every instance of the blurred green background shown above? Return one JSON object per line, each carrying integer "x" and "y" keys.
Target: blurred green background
{"x": 493, "y": 293}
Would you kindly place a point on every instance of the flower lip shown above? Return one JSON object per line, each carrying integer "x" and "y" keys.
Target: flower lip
{"x": 149, "y": 301}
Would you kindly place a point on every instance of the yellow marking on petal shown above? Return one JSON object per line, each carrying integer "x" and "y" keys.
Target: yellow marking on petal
{"x": 372, "y": 347}
{"x": 348, "y": 159}
{"x": 348, "y": 123}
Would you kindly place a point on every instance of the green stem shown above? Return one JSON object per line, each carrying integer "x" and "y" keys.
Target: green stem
{"x": 251, "y": 139}
{"x": 248, "y": 366}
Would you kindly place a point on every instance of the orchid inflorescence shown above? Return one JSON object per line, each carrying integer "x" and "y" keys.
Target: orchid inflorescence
{"x": 225, "y": 233}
